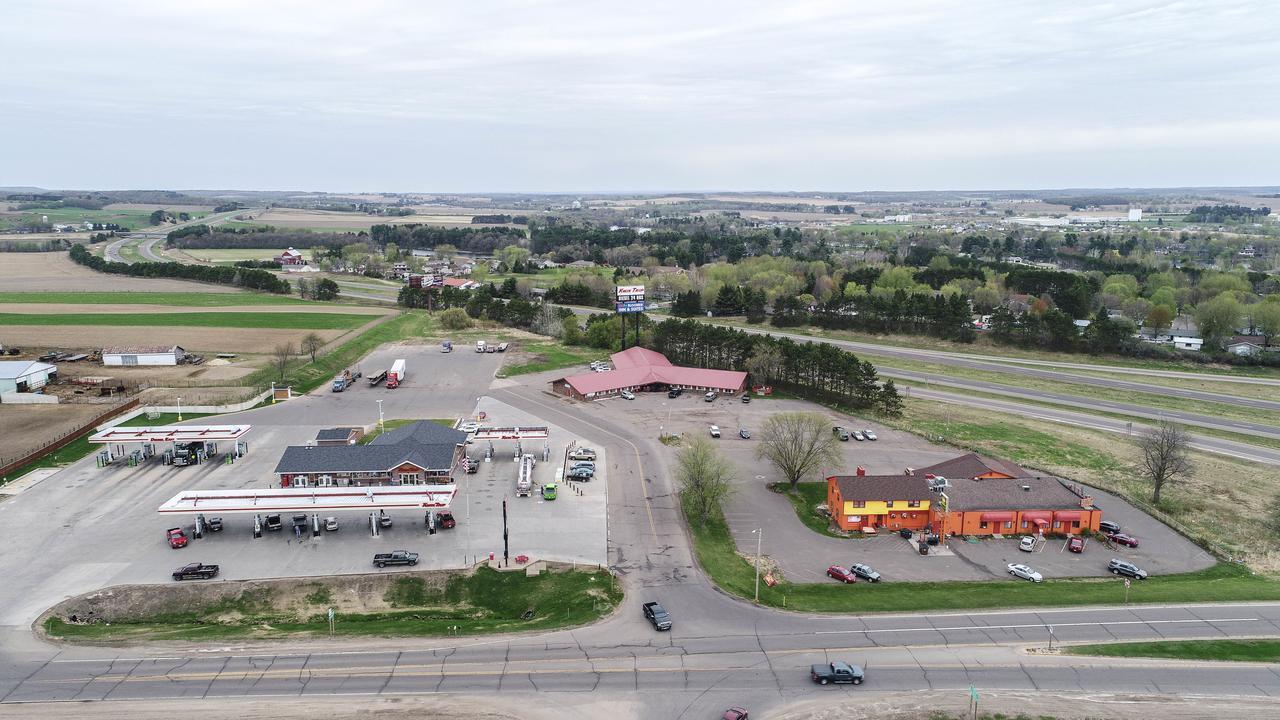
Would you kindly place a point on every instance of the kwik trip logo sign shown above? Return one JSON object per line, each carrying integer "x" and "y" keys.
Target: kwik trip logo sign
{"x": 630, "y": 298}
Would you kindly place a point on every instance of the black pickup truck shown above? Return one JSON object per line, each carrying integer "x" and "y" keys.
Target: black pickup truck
{"x": 657, "y": 616}
{"x": 399, "y": 557}
{"x": 195, "y": 571}
{"x": 836, "y": 672}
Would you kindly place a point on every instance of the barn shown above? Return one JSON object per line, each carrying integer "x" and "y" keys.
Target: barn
{"x": 123, "y": 356}
{"x": 24, "y": 375}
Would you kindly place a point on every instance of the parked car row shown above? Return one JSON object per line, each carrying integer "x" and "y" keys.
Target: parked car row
{"x": 1116, "y": 566}
{"x": 859, "y": 435}
{"x": 853, "y": 573}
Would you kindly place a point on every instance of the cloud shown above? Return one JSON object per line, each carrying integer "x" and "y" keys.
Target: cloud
{"x": 620, "y": 96}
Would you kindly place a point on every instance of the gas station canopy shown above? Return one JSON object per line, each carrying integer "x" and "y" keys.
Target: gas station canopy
{"x": 171, "y": 433}
{"x": 511, "y": 433}
{"x": 281, "y": 500}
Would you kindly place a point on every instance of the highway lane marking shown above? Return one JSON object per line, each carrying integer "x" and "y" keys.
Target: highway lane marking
{"x": 648, "y": 507}
{"x": 630, "y": 662}
{"x": 1038, "y": 625}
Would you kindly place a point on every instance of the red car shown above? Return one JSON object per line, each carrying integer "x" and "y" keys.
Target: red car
{"x": 445, "y": 521}
{"x": 735, "y": 713}
{"x": 1076, "y": 544}
{"x": 1122, "y": 539}
{"x": 842, "y": 574}
{"x": 177, "y": 538}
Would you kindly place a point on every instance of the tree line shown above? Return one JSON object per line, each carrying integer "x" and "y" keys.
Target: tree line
{"x": 817, "y": 371}
{"x": 483, "y": 240}
{"x": 195, "y": 237}
{"x": 249, "y": 278}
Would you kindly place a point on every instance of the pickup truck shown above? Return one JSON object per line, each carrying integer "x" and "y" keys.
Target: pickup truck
{"x": 399, "y": 557}
{"x": 657, "y": 616}
{"x": 195, "y": 571}
{"x": 836, "y": 672}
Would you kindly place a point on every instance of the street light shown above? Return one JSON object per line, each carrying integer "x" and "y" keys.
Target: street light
{"x": 179, "y": 409}
{"x": 759, "y": 533}
{"x": 380, "y": 425}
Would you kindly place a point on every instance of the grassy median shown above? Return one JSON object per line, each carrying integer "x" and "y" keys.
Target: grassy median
{"x": 1265, "y": 651}
{"x": 418, "y": 604}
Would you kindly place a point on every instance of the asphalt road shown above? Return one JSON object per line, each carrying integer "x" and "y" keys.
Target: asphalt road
{"x": 147, "y": 239}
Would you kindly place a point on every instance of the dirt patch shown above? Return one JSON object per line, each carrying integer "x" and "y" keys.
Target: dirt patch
{"x": 1059, "y": 706}
{"x": 54, "y": 272}
{"x": 24, "y": 428}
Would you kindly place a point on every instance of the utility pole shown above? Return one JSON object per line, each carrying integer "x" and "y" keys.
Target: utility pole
{"x": 179, "y": 409}
{"x": 759, "y": 533}
{"x": 505, "y": 548}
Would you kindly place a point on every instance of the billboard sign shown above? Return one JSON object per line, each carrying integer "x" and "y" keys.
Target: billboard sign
{"x": 631, "y": 306}
{"x": 630, "y": 292}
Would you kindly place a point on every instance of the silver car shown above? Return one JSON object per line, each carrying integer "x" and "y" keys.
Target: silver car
{"x": 1025, "y": 572}
{"x": 869, "y": 435}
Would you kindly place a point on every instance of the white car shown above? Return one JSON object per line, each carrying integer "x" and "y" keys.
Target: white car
{"x": 469, "y": 427}
{"x": 869, "y": 435}
{"x": 1027, "y": 544}
{"x": 1025, "y": 573}
{"x": 857, "y": 435}
{"x": 331, "y": 524}
{"x": 715, "y": 431}
{"x": 628, "y": 395}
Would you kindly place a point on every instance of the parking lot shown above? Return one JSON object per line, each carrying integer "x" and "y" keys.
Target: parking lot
{"x": 94, "y": 527}
{"x": 803, "y": 555}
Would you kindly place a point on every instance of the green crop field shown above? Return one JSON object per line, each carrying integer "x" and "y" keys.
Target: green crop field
{"x": 275, "y": 320}
{"x": 130, "y": 219}
{"x": 173, "y": 299}
{"x": 231, "y": 255}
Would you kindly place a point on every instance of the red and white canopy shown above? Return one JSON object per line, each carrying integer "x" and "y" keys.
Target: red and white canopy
{"x": 171, "y": 433}
{"x": 309, "y": 500}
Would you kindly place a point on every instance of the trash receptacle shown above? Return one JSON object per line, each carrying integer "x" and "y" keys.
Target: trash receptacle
{"x": 924, "y": 549}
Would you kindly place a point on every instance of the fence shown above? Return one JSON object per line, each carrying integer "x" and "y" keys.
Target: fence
{"x": 9, "y": 464}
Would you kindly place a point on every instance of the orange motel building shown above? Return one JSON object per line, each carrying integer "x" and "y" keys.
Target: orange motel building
{"x": 967, "y": 495}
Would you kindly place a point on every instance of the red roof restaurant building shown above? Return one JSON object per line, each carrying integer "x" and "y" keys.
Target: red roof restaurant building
{"x": 641, "y": 370}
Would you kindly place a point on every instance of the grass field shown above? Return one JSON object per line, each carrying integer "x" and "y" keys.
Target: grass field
{"x": 1266, "y": 651}
{"x": 487, "y": 601}
{"x": 228, "y": 256}
{"x": 808, "y": 495}
{"x": 270, "y": 320}
{"x": 715, "y": 550}
{"x": 174, "y": 299}
{"x": 550, "y": 356}
{"x": 80, "y": 447}
{"x": 132, "y": 219}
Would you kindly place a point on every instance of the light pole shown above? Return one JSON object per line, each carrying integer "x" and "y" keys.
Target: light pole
{"x": 380, "y": 425}
{"x": 759, "y": 533}
{"x": 179, "y": 409}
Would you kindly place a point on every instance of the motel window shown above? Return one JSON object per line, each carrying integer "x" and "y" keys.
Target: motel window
{"x": 1009, "y": 525}
{"x": 1056, "y": 524}
{"x": 889, "y": 504}
{"x": 1024, "y": 524}
{"x": 983, "y": 525}
{"x": 859, "y": 503}
{"x": 913, "y": 503}
{"x": 1075, "y": 523}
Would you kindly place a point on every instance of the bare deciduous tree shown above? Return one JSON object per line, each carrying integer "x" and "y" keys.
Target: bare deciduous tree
{"x": 1164, "y": 456}
{"x": 703, "y": 474}
{"x": 311, "y": 345}
{"x": 765, "y": 365}
{"x": 283, "y": 354}
{"x": 797, "y": 444}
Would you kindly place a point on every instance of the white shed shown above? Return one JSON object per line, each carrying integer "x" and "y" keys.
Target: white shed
{"x": 171, "y": 355}
{"x": 24, "y": 375}
{"x": 1183, "y": 342}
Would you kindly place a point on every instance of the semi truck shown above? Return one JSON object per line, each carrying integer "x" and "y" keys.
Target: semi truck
{"x": 395, "y": 375}
{"x": 524, "y": 479}
{"x": 343, "y": 381}
{"x": 479, "y": 346}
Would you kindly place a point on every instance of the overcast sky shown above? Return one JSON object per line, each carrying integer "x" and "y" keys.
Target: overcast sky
{"x": 492, "y": 95}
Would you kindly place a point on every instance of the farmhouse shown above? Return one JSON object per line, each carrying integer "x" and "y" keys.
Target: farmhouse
{"x": 642, "y": 370}
{"x": 171, "y": 355}
{"x": 966, "y": 495}
{"x": 290, "y": 257}
{"x": 24, "y": 375}
{"x": 421, "y": 453}
{"x": 1248, "y": 345}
